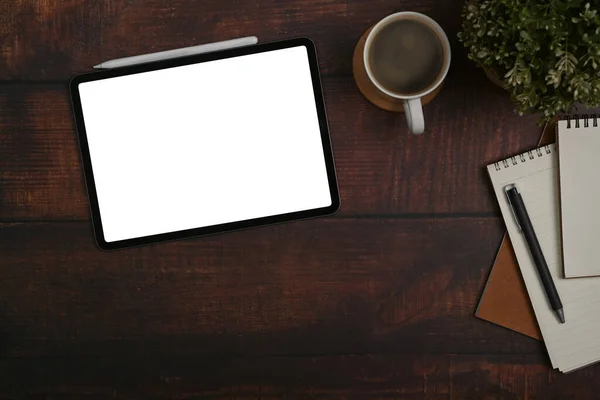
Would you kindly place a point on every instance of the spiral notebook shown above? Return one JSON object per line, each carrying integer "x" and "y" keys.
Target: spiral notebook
{"x": 576, "y": 343}
{"x": 578, "y": 150}
{"x": 504, "y": 300}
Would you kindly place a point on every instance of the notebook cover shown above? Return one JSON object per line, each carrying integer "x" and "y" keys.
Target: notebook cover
{"x": 504, "y": 300}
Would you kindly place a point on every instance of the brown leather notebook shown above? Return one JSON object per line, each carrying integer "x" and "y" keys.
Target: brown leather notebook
{"x": 505, "y": 301}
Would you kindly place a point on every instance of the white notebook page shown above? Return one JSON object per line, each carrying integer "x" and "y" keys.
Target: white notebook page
{"x": 579, "y": 150}
{"x": 577, "y": 342}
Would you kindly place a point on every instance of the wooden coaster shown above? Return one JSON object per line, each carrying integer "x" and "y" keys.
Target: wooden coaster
{"x": 370, "y": 91}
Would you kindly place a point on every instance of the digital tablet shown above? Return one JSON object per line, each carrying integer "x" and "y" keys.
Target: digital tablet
{"x": 205, "y": 144}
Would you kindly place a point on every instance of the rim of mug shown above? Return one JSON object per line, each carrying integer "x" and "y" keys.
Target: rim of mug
{"x": 402, "y": 15}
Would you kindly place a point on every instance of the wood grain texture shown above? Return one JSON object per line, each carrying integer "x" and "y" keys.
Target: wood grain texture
{"x": 46, "y": 40}
{"x": 410, "y": 377}
{"x": 374, "y": 303}
{"x": 314, "y": 287}
{"x": 382, "y": 169}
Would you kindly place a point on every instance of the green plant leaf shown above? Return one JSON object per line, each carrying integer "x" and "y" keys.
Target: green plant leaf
{"x": 548, "y": 51}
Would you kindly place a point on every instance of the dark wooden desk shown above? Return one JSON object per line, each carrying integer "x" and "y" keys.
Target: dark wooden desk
{"x": 374, "y": 302}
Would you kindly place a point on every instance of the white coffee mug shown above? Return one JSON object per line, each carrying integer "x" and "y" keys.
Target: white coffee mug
{"x": 412, "y": 102}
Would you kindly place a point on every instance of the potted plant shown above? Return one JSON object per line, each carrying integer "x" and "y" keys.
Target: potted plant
{"x": 545, "y": 53}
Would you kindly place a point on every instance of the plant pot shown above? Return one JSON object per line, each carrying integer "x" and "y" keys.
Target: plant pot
{"x": 494, "y": 77}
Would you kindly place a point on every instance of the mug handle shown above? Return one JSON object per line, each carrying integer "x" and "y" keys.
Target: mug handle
{"x": 414, "y": 116}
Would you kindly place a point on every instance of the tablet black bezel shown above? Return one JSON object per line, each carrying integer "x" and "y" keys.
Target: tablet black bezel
{"x": 200, "y": 58}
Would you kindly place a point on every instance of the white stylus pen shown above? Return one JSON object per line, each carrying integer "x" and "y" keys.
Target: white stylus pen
{"x": 186, "y": 51}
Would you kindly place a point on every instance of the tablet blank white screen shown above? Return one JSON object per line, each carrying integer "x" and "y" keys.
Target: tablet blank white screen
{"x": 205, "y": 144}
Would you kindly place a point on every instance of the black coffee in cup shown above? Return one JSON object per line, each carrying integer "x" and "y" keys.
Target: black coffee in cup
{"x": 406, "y": 57}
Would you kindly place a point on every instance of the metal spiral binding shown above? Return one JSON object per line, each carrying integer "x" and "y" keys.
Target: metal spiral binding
{"x": 583, "y": 117}
{"x": 521, "y": 158}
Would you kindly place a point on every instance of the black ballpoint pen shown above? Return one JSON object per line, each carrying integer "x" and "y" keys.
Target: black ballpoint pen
{"x": 518, "y": 207}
